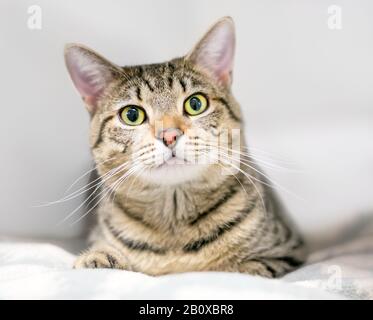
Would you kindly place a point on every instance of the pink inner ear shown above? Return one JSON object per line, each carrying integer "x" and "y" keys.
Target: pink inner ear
{"x": 224, "y": 64}
{"x": 83, "y": 82}
{"x": 87, "y": 75}
{"x": 215, "y": 52}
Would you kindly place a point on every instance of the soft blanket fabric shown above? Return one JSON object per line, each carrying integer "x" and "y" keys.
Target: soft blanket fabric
{"x": 43, "y": 271}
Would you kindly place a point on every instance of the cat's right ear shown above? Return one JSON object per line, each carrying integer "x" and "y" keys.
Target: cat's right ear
{"x": 90, "y": 73}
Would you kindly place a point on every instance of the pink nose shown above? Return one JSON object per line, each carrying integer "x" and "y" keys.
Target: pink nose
{"x": 169, "y": 136}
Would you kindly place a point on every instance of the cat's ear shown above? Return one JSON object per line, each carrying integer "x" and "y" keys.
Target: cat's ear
{"x": 214, "y": 53}
{"x": 90, "y": 73}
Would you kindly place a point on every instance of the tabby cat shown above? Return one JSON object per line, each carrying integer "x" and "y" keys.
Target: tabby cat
{"x": 162, "y": 209}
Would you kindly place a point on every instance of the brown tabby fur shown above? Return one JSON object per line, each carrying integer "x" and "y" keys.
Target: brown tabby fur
{"x": 207, "y": 222}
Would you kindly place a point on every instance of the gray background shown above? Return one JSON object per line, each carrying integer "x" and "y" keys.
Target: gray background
{"x": 306, "y": 92}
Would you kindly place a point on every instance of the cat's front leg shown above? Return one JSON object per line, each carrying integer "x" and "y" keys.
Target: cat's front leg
{"x": 102, "y": 257}
{"x": 269, "y": 268}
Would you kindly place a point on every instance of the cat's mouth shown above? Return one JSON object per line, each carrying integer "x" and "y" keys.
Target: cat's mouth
{"x": 173, "y": 170}
{"x": 174, "y": 161}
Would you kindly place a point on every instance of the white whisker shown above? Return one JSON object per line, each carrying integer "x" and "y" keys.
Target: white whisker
{"x": 85, "y": 174}
{"x": 251, "y": 181}
{"x": 100, "y": 181}
{"x": 106, "y": 192}
{"x": 88, "y": 198}
{"x": 272, "y": 183}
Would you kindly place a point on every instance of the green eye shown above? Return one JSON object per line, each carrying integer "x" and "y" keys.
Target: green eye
{"x": 195, "y": 104}
{"x": 132, "y": 115}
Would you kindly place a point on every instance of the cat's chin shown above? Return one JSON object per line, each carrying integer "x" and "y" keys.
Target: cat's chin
{"x": 174, "y": 172}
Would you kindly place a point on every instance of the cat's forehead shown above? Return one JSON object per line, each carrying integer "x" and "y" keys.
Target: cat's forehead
{"x": 172, "y": 75}
{"x": 160, "y": 85}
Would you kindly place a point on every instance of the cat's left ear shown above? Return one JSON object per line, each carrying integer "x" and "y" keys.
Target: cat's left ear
{"x": 214, "y": 53}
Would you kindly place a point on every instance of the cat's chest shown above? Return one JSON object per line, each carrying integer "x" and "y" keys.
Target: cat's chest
{"x": 189, "y": 249}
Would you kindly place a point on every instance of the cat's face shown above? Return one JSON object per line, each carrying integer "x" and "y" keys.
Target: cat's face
{"x": 160, "y": 122}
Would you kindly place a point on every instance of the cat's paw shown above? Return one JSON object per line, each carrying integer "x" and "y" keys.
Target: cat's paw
{"x": 99, "y": 260}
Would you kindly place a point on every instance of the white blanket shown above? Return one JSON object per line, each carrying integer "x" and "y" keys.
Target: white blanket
{"x": 43, "y": 271}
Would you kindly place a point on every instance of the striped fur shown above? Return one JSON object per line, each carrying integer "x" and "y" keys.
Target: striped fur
{"x": 161, "y": 221}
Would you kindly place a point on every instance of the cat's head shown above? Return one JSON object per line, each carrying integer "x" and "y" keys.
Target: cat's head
{"x": 157, "y": 121}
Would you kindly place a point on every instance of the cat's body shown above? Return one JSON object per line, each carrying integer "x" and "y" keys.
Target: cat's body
{"x": 159, "y": 217}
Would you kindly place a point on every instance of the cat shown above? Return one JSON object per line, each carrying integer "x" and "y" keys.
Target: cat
{"x": 159, "y": 210}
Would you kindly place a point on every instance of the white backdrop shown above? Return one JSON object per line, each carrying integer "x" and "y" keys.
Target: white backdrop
{"x": 306, "y": 91}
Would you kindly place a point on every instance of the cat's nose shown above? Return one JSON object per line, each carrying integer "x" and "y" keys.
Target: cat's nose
{"x": 169, "y": 136}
